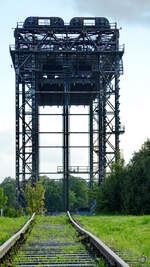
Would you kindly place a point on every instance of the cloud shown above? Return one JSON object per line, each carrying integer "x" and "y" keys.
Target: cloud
{"x": 129, "y": 11}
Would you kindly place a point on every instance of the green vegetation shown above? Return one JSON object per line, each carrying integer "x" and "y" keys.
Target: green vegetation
{"x": 78, "y": 194}
{"x": 35, "y": 198}
{"x": 3, "y": 199}
{"x": 48, "y": 194}
{"x": 127, "y": 188}
{"x": 126, "y": 233}
{"x": 42, "y": 230}
{"x": 52, "y": 230}
{"x": 53, "y": 194}
{"x": 9, "y": 226}
{"x": 9, "y": 187}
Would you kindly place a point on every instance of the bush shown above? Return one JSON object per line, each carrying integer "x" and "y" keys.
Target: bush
{"x": 11, "y": 212}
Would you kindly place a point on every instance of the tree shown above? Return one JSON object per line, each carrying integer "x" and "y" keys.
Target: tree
{"x": 78, "y": 193}
{"x": 35, "y": 198}
{"x": 9, "y": 187}
{"x": 3, "y": 200}
{"x": 136, "y": 190}
{"x": 127, "y": 188}
{"x": 109, "y": 195}
{"x": 54, "y": 199}
{"x": 53, "y": 195}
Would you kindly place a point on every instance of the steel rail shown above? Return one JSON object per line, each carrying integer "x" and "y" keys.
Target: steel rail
{"x": 4, "y": 248}
{"x": 108, "y": 254}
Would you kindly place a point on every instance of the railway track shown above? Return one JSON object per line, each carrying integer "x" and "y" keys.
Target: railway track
{"x": 54, "y": 242}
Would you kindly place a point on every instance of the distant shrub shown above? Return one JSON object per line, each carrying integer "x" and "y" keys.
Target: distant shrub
{"x": 11, "y": 212}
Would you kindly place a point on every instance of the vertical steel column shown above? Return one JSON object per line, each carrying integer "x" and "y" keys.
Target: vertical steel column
{"x": 91, "y": 143}
{"x": 35, "y": 130}
{"x": 66, "y": 142}
{"x": 23, "y": 135}
{"x": 64, "y": 154}
{"x": 117, "y": 118}
{"x": 17, "y": 77}
{"x": 17, "y": 137}
{"x": 104, "y": 130}
{"x": 100, "y": 132}
{"x": 67, "y": 154}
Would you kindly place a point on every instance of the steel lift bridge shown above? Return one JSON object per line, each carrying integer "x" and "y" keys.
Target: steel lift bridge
{"x": 67, "y": 64}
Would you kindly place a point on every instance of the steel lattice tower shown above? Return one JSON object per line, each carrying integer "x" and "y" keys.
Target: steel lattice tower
{"x": 59, "y": 64}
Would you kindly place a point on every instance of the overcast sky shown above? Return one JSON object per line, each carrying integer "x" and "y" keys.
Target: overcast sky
{"x": 133, "y": 16}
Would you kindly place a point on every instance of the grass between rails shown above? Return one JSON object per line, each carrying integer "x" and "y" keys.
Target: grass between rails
{"x": 56, "y": 228}
{"x": 42, "y": 231}
{"x": 127, "y": 233}
{"x": 9, "y": 226}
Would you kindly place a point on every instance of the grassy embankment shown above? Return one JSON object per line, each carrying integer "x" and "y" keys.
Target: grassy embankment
{"x": 9, "y": 226}
{"x": 127, "y": 233}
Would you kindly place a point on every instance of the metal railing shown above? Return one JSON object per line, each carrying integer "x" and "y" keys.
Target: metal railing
{"x": 75, "y": 169}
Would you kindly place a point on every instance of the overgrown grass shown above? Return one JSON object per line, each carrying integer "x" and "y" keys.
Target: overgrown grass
{"x": 54, "y": 228}
{"x": 128, "y": 233}
{"x": 42, "y": 231}
{"x": 9, "y": 226}
{"x": 45, "y": 228}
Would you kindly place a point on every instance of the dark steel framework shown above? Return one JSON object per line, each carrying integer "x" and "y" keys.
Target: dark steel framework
{"x": 66, "y": 65}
